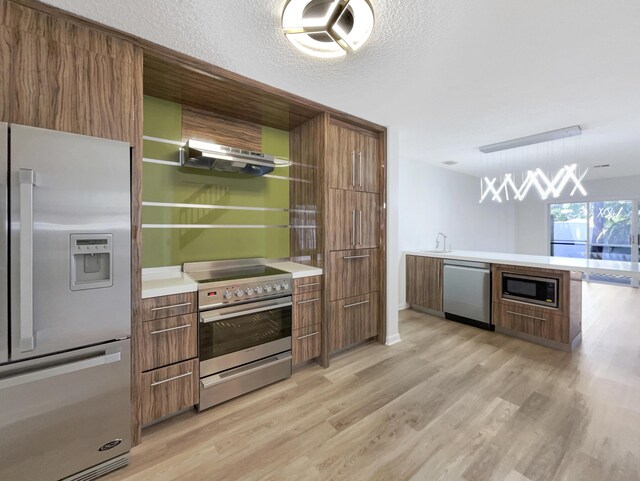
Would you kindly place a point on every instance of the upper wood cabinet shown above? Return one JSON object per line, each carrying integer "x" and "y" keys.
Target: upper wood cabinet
{"x": 424, "y": 282}
{"x": 354, "y": 220}
{"x": 352, "y": 160}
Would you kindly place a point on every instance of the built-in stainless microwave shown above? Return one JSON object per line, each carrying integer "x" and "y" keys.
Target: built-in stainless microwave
{"x": 542, "y": 291}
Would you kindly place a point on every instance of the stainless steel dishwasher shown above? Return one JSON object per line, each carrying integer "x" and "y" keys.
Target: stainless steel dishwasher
{"x": 467, "y": 293}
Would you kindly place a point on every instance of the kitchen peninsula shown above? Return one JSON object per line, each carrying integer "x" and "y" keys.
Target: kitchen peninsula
{"x": 536, "y": 298}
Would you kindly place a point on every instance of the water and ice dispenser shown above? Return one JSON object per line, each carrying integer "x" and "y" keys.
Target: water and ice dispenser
{"x": 91, "y": 261}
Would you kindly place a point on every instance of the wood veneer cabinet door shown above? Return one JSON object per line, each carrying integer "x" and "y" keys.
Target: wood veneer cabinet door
{"x": 168, "y": 390}
{"x": 167, "y": 341}
{"x": 368, "y": 164}
{"x": 424, "y": 282}
{"x": 353, "y": 320}
{"x": 368, "y": 221}
{"x": 342, "y": 148}
{"x": 353, "y": 220}
{"x": 353, "y": 273}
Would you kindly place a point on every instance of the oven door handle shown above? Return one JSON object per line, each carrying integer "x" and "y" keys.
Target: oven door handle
{"x": 215, "y": 317}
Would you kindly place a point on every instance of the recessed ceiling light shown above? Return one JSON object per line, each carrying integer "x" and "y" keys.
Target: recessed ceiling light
{"x": 327, "y": 28}
{"x": 449, "y": 162}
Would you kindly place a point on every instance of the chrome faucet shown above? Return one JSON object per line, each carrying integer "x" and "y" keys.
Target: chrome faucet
{"x": 444, "y": 241}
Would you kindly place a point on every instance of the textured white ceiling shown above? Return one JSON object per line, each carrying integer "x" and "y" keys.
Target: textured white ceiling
{"x": 450, "y": 75}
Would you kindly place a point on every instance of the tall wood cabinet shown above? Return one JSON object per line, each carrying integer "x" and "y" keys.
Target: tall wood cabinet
{"x": 351, "y": 242}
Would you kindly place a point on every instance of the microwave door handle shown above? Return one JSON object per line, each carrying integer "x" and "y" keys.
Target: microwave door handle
{"x": 206, "y": 319}
{"x": 27, "y": 181}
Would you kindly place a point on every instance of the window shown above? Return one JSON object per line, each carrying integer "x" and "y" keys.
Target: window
{"x": 602, "y": 230}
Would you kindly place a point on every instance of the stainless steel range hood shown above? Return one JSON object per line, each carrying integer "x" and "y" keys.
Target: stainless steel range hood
{"x": 205, "y": 155}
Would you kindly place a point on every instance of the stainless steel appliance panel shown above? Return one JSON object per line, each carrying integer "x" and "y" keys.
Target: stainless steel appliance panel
{"x": 467, "y": 291}
{"x": 66, "y": 187}
{"x": 4, "y": 213}
{"x": 65, "y": 412}
{"x": 542, "y": 291}
{"x": 235, "y": 382}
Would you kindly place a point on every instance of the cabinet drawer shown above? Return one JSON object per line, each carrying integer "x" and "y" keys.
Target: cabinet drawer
{"x": 168, "y": 306}
{"x": 353, "y": 320}
{"x": 167, "y": 341}
{"x": 169, "y": 389}
{"x": 533, "y": 320}
{"x": 307, "y": 284}
{"x": 352, "y": 273}
{"x": 306, "y": 343}
{"x": 307, "y": 309}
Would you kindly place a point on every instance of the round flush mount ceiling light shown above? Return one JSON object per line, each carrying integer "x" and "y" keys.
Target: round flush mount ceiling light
{"x": 327, "y": 28}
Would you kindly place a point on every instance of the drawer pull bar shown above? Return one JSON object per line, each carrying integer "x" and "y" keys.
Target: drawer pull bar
{"x": 170, "y": 307}
{"x": 309, "y": 285}
{"x": 527, "y": 315}
{"x": 185, "y": 326}
{"x": 308, "y": 301}
{"x": 357, "y": 257}
{"x": 157, "y": 383}
{"x": 355, "y": 304}
{"x": 309, "y": 335}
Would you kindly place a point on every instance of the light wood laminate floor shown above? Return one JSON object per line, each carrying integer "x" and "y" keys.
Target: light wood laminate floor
{"x": 449, "y": 402}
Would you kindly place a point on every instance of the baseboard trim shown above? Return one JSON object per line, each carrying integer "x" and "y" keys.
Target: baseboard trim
{"x": 394, "y": 339}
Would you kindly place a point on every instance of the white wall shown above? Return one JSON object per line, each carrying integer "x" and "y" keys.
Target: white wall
{"x": 393, "y": 249}
{"x": 433, "y": 199}
{"x": 532, "y": 222}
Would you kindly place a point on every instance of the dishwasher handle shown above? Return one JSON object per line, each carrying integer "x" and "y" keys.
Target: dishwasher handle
{"x": 486, "y": 270}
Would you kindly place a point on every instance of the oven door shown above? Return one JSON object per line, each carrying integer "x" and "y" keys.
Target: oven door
{"x": 236, "y": 335}
{"x": 529, "y": 289}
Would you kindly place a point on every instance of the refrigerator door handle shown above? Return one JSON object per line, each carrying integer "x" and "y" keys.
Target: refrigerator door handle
{"x": 27, "y": 181}
{"x": 50, "y": 372}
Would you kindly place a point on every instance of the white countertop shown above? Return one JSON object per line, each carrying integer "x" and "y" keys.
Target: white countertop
{"x": 616, "y": 268}
{"x": 166, "y": 281}
{"x": 297, "y": 270}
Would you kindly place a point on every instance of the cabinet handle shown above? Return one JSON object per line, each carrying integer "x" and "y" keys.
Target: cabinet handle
{"x": 308, "y": 335}
{"x": 309, "y": 285}
{"x": 360, "y": 169}
{"x": 308, "y": 301}
{"x": 527, "y": 316}
{"x": 360, "y": 228}
{"x": 353, "y": 168}
{"x": 356, "y": 304}
{"x": 170, "y": 307}
{"x": 160, "y": 331}
{"x": 357, "y": 257}
{"x": 157, "y": 383}
{"x": 353, "y": 227}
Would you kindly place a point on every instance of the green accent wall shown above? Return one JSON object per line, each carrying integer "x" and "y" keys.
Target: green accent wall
{"x": 172, "y": 184}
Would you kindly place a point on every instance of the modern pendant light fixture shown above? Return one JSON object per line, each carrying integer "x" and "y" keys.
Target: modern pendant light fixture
{"x": 327, "y": 28}
{"x": 547, "y": 186}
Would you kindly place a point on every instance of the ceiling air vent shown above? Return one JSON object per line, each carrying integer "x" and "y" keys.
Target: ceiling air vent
{"x": 449, "y": 162}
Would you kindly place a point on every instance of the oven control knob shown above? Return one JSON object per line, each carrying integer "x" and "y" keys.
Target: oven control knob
{"x": 285, "y": 285}
{"x": 259, "y": 290}
{"x": 277, "y": 287}
{"x": 239, "y": 293}
{"x": 249, "y": 291}
{"x": 267, "y": 288}
{"x": 227, "y": 295}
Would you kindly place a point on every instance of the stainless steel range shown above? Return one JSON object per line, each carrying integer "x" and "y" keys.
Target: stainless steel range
{"x": 244, "y": 329}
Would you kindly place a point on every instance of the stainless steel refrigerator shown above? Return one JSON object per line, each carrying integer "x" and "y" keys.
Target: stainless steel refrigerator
{"x": 65, "y": 304}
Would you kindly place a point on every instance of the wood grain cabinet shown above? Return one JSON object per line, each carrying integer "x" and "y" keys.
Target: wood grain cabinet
{"x": 424, "y": 282}
{"x": 168, "y": 351}
{"x": 354, "y": 217}
{"x": 168, "y": 390}
{"x": 170, "y": 340}
{"x": 559, "y": 328}
{"x": 353, "y": 159}
{"x": 306, "y": 343}
{"x": 353, "y": 320}
{"x": 353, "y": 272}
